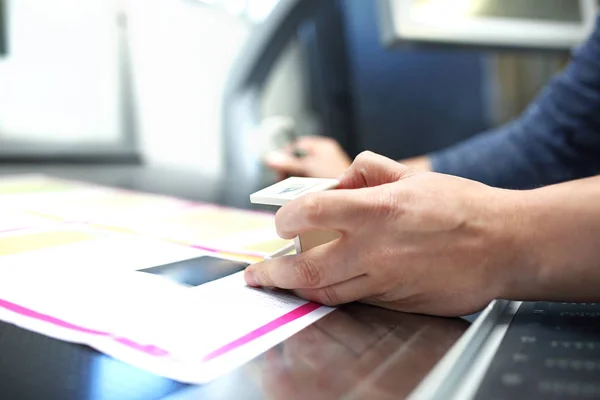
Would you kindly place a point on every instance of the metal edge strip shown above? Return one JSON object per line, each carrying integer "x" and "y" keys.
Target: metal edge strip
{"x": 444, "y": 378}
{"x": 481, "y": 363}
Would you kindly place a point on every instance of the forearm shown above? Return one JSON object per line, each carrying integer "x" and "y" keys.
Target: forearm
{"x": 504, "y": 158}
{"x": 557, "y": 138}
{"x": 497, "y": 158}
{"x": 558, "y": 243}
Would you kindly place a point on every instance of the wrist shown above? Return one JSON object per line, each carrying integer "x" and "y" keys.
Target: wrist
{"x": 556, "y": 244}
{"x": 512, "y": 232}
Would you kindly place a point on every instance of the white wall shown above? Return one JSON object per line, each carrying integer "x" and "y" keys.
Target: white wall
{"x": 182, "y": 52}
{"x": 285, "y": 92}
{"x": 59, "y": 82}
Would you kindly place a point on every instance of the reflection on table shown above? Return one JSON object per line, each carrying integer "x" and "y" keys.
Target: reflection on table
{"x": 358, "y": 351}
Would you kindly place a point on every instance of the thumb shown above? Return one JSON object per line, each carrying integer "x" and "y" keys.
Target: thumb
{"x": 370, "y": 169}
{"x": 285, "y": 163}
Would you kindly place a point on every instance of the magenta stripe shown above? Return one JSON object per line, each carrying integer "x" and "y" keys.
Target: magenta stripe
{"x": 44, "y": 225}
{"x": 263, "y": 330}
{"x": 148, "y": 349}
{"x": 46, "y": 318}
{"x": 200, "y": 247}
{"x": 223, "y": 250}
{"x": 248, "y": 212}
{"x": 15, "y": 229}
{"x": 155, "y": 351}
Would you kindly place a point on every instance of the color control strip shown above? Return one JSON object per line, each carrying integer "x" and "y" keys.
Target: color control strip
{"x": 156, "y": 351}
{"x": 263, "y": 330}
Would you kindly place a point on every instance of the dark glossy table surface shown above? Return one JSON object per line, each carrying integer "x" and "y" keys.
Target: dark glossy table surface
{"x": 356, "y": 352}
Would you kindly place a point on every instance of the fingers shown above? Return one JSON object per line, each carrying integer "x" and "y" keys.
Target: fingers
{"x": 370, "y": 169}
{"x": 321, "y": 266}
{"x": 344, "y": 292}
{"x": 310, "y": 142}
{"x": 285, "y": 163}
{"x": 336, "y": 210}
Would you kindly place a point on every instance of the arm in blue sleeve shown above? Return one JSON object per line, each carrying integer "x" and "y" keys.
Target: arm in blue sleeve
{"x": 555, "y": 140}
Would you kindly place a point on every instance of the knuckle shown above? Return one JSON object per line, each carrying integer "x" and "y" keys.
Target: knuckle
{"x": 312, "y": 209}
{"x": 385, "y": 297}
{"x": 329, "y": 297}
{"x": 263, "y": 277}
{"x": 309, "y": 273}
{"x": 364, "y": 156}
{"x": 363, "y": 166}
{"x": 387, "y": 204}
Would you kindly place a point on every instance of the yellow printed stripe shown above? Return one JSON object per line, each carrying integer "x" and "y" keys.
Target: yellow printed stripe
{"x": 37, "y": 241}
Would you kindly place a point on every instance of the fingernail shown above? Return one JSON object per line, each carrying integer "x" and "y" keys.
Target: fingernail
{"x": 250, "y": 279}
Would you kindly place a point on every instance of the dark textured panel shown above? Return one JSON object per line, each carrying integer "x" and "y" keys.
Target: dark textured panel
{"x": 550, "y": 351}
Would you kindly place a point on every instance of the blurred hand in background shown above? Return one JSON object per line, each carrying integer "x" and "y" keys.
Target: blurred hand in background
{"x": 323, "y": 158}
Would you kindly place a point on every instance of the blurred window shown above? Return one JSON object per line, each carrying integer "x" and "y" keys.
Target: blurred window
{"x": 254, "y": 11}
{"x": 2, "y": 28}
{"x": 539, "y": 10}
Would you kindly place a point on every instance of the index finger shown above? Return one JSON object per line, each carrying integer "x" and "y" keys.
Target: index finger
{"x": 337, "y": 210}
{"x": 319, "y": 267}
{"x": 370, "y": 169}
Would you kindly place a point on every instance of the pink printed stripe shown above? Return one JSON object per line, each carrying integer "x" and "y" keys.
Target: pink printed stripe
{"x": 263, "y": 330}
{"x": 148, "y": 349}
{"x": 15, "y": 229}
{"x": 144, "y": 348}
{"x": 42, "y": 226}
{"x": 158, "y": 352}
{"x": 46, "y": 318}
{"x": 223, "y": 250}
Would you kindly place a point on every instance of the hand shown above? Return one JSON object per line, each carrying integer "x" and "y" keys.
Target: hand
{"x": 324, "y": 159}
{"x": 411, "y": 241}
{"x": 358, "y": 351}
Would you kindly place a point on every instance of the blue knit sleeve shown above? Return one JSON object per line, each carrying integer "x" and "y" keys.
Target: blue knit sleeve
{"x": 556, "y": 139}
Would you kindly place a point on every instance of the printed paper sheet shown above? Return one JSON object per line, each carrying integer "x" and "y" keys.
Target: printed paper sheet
{"x": 76, "y": 263}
